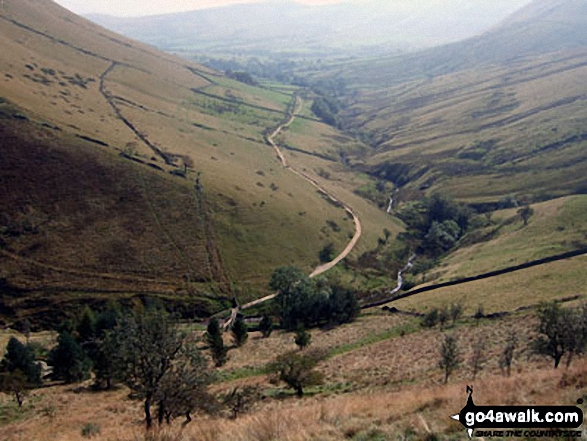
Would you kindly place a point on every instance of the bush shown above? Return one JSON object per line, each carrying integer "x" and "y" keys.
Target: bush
{"x": 266, "y": 326}
{"x": 216, "y": 343}
{"x": 91, "y": 429}
{"x": 430, "y": 320}
{"x": 327, "y": 253}
{"x": 297, "y": 369}
{"x": 302, "y": 338}
{"x": 239, "y": 332}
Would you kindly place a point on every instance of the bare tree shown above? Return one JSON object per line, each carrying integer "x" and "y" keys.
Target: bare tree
{"x": 15, "y": 384}
{"x": 508, "y": 354}
{"x": 450, "y": 357}
{"x": 478, "y": 357}
{"x": 456, "y": 311}
{"x": 443, "y": 315}
{"x": 240, "y": 400}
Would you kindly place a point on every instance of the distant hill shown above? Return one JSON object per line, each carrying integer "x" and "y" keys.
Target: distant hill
{"x": 497, "y": 114}
{"x": 540, "y": 27}
{"x": 293, "y": 28}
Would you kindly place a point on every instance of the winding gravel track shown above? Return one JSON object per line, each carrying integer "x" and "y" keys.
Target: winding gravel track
{"x": 358, "y": 228}
{"x": 322, "y": 268}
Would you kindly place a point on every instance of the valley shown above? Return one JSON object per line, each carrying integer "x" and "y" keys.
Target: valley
{"x": 346, "y": 235}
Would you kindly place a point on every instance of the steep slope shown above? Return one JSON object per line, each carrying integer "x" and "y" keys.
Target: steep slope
{"x": 128, "y": 161}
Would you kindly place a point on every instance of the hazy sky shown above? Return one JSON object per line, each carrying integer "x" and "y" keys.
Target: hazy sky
{"x": 150, "y": 7}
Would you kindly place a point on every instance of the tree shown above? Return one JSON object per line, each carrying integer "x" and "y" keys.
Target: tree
{"x": 156, "y": 361}
{"x": 26, "y": 329}
{"x": 214, "y": 339}
{"x": 107, "y": 319}
{"x": 240, "y": 400}
{"x": 16, "y": 384}
{"x": 239, "y": 332}
{"x": 343, "y": 306}
{"x": 184, "y": 386}
{"x": 441, "y": 209}
{"x": 86, "y": 327}
{"x": 21, "y": 358}
{"x": 456, "y": 311}
{"x": 441, "y": 237}
{"x": 478, "y": 358}
{"x": 311, "y": 302}
{"x": 576, "y": 334}
{"x": 302, "y": 337}
{"x": 525, "y": 213}
{"x": 507, "y": 356}
{"x": 297, "y": 370}
{"x": 284, "y": 279}
{"x": 450, "y": 358}
{"x": 555, "y": 332}
{"x": 148, "y": 345}
{"x": 443, "y": 314}
{"x": 387, "y": 234}
{"x": 325, "y": 110}
{"x": 300, "y": 305}
{"x": 266, "y": 326}
{"x": 70, "y": 363}
{"x": 105, "y": 360}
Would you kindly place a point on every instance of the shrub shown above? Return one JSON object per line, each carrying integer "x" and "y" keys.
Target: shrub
{"x": 216, "y": 343}
{"x": 297, "y": 369}
{"x": 91, "y": 429}
{"x": 303, "y": 337}
{"x": 239, "y": 332}
{"x": 266, "y": 326}
{"x": 327, "y": 253}
{"x": 430, "y": 320}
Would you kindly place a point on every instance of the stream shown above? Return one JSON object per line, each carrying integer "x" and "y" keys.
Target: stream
{"x": 390, "y": 206}
{"x": 400, "y": 274}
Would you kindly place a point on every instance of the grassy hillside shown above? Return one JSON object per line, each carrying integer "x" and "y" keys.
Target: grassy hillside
{"x": 202, "y": 198}
{"x": 81, "y": 225}
{"x": 372, "y": 390}
{"x": 479, "y": 134}
{"x": 554, "y": 281}
{"x": 555, "y": 227}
